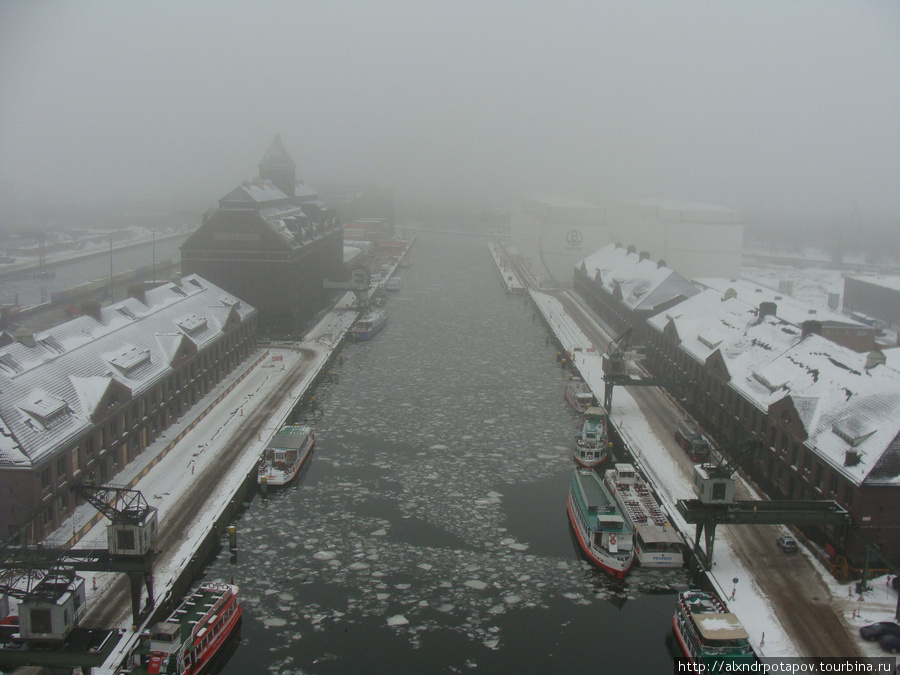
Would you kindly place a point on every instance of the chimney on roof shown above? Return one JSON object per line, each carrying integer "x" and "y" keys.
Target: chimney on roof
{"x": 136, "y": 291}
{"x": 176, "y": 279}
{"x": 24, "y": 336}
{"x": 851, "y": 458}
{"x": 644, "y": 255}
{"x": 730, "y": 293}
{"x": 874, "y": 358}
{"x": 660, "y": 263}
{"x": 618, "y": 244}
{"x": 631, "y": 249}
{"x": 91, "y": 308}
{"x": 810, "y": 327}
{"x": 767, "y": 309}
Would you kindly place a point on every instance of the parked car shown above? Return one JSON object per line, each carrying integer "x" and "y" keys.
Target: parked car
{"x": 890, "y": 643}
{"x": 787, "y": 544}
{"x": 690, "y": 438}
{"x": 875, "y": 631}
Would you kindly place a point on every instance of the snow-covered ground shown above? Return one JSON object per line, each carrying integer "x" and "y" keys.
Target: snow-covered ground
{"x": 750, "y": 604}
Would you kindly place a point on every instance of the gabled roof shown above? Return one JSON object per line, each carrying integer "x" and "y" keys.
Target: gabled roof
{"x": 252, "y": 195}
{"x": 643, "y": 284}
{"x": 51, "y": 391}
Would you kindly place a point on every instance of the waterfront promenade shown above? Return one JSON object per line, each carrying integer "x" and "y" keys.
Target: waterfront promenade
{"x": 192, "y": 471}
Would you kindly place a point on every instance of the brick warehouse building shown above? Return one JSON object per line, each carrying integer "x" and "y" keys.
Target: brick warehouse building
{"x": 827, "y": 417}
{"x": 626, "y": 288}
{"x": 272, "y": 243}
{"x": 84, "y": 398}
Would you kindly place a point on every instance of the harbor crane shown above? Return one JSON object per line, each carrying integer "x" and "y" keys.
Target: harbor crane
{"x": 615, "y": 369}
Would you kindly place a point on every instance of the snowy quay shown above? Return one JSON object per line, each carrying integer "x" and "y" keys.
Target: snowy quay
{"x": 198, "y": 473}
{"x": 790, "y": 605}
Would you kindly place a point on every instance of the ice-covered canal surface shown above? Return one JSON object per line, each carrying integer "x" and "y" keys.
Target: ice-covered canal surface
{"x": 429, "y": 533}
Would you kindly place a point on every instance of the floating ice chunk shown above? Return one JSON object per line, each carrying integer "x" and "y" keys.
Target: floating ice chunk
{"x": 494, "y": 495}
{"x": 512, "y": 599}
{"x": 274, "y": 622}
{"x": 476, "y": 584}
{"x": 497, "y": 609}
{"x": 519, "y": 547}
{"x": 424, "y": 566}
{"x": 492, "y": 643}
{"x": 446, "y": 607}
{"x": 438, "y": 447}
{"x": 324, "y": 555}
{"x": 397, "y": 620}
{"x": 379, "y": 532}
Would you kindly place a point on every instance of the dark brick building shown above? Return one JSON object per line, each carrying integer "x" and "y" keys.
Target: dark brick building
{"x": 272, "y": 243}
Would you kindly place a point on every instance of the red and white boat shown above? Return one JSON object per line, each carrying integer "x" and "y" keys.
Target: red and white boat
{"x": 604, "y": 535}
{"x": 286, "y": 454}
{"x": 186, "y": 642}
{"x": 579, "y": 395}
{"x": 592, "y": 442}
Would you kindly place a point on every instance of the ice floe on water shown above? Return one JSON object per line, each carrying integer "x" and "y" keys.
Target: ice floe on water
{"x": 402, "y": 520}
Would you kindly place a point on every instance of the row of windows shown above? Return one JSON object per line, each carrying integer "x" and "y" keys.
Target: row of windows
{"x": 719, "y": 407}
{"x": 106, "y": 449}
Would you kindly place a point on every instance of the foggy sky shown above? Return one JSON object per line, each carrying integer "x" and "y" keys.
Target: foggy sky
{"x": 766, "y": 107}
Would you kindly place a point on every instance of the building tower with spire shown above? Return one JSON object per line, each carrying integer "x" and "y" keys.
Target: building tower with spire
{"x": 278, "y": 167}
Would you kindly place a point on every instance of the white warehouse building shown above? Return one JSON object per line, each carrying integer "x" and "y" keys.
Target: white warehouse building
{"x": 695, "y": 240}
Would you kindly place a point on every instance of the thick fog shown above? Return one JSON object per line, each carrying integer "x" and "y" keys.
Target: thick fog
{"x": 766, "y": 107}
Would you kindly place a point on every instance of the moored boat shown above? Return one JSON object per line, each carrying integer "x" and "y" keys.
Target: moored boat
{"x": 369, "y": 324}
{"x": 709, "y": 635}
{"x": 592, "y": 442}
{"x": 186, "y": 642}
{"x": 603, "y": 534}
{"x": 286, "y": 454}
{"x": 579, "y": 395}
{"x": 656, "y": 542}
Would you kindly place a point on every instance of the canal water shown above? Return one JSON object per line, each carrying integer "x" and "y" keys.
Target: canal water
{"x": 429, "y": 533}
{"x": 31, "y": 290}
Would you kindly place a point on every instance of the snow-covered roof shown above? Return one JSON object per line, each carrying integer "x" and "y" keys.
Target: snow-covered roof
{"x": 258, "y": 192}
{"x": 787, "y": 308}
{"x": 51, "y": 390}
{"x": 643, "y": 284}
{"x": 842, "y": 406}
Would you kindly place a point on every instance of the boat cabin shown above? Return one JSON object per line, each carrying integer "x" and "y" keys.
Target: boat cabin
{"x": 165, "y": 637}
{"x": 722, "y": 631}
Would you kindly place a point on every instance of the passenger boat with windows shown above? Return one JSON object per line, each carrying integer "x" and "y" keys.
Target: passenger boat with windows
{"x": 368, "y": 325}
{"x": 656, "y": 542}
{"x": 708, "y": 633}
{"x": 579, "y": 395}
{"x": 186, "y": 642}
{"x": 286, "y": 454}
{"x": 603, "y": 534}
{"x": 592, "y": 442}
